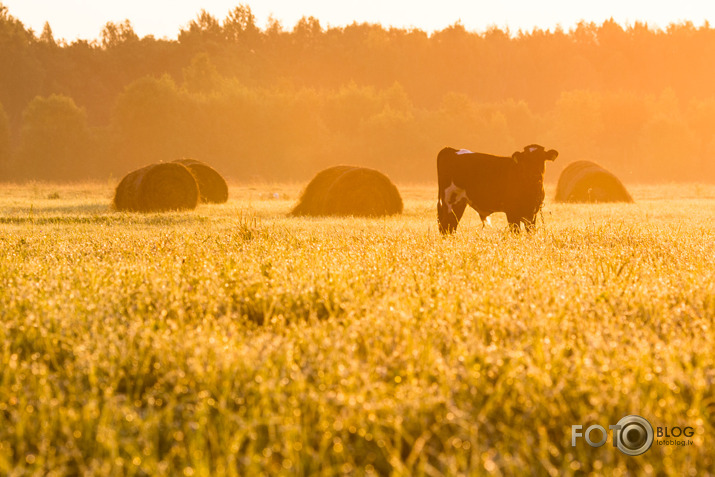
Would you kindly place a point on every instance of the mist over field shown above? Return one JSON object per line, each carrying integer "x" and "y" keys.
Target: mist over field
{"x": 282, "y": 102}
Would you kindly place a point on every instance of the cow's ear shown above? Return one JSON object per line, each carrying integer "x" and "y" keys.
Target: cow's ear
{"x": 516, "y": 156}
{"x": 552, "y": 154}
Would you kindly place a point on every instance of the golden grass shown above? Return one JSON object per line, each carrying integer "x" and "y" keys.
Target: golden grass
{"x": 232, "y": 340}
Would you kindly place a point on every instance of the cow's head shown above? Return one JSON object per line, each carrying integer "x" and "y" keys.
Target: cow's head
{"x": 533, "y": 158}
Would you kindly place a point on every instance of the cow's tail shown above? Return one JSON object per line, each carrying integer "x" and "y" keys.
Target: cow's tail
{"x": 446, "y": 221}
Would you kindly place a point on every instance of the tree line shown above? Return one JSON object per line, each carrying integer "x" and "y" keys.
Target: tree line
{"x": 279, "y": 104}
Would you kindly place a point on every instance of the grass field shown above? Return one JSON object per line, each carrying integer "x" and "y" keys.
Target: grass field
{"x": 232, "y": 340}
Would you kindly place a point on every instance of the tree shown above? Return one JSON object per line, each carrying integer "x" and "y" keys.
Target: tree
{"x": 151, "y": 122}
{"x": 4, "y": 140}
{"x": 47, "y": 37}
{"x": 55, "y": 140}
{"x": 307, "y": 31}
{"x": 202, "y": 32}
{"x": 21, "y": 73}
{"x": 668, "y": 149}
{"x": 240, "y": 25}
{"x": 115, "y": 34}
{"x": 201, "y": 76}
{"x": 578, "y": 123}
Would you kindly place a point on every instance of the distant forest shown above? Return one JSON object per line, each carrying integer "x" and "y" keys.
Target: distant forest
{"x": 277, "y": 103}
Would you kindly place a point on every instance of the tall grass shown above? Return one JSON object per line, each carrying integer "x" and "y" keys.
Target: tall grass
{"x": 232, "y": 340}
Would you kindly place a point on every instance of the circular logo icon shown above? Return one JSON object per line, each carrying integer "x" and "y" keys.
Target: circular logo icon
{"x": 635, "y": 435}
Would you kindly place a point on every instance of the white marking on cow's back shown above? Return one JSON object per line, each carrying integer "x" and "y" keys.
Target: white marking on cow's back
{"x": 464, "y": 151}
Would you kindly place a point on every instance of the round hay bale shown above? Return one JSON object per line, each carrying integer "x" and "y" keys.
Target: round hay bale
{"x": 212, "y": 186}
{"x": 156, "y": 188}
{"x": 586, "y": 181}
{"x": 349, "y": 190}
{"x": 313, "y": 197}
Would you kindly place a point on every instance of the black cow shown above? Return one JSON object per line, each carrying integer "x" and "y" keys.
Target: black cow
{"x": 489, "y": 184}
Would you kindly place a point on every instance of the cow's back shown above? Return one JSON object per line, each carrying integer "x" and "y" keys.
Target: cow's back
{"x": 484, "y": 177}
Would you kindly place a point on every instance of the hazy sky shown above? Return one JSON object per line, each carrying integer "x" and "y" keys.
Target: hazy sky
{"x": 71, "y": 19}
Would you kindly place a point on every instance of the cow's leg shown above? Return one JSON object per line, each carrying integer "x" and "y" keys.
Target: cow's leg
{"x": 450, "y": 215}
{"x": 484, "y": 218}
{"x": 447, "y": 222}
{"x": 529, "y": 224}
{"x": 530, "y": 221}
{"x": 458, "y": 210}
{"x": 514, "y": 222}
{"x": 450, "y": 207}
